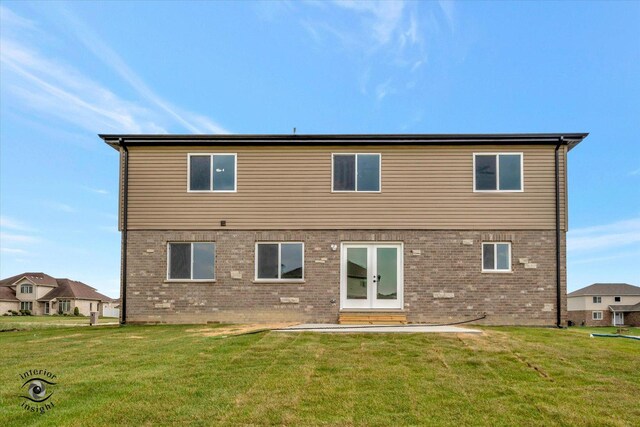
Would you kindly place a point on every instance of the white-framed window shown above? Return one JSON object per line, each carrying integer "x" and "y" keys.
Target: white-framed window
{"x": 64, "y": 306}
{"x": 282, "y": 261}
{"x": 26, "y": 305}
{"x": 191, "y": 261}
{"x": 617, "y": 299}
{"x": 597, "y": 300}
{"x": 596, "y": 315}
{"x": 26, "y": 288}
{"x": 212, "y": 172}
{"x": 496, "y": 257}
{"x": 356, "y": 172}
{"x": 498, "y": 172}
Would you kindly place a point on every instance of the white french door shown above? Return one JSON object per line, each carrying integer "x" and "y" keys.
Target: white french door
{"x": 618, "y": 318}
{"x": 371, "y": 276}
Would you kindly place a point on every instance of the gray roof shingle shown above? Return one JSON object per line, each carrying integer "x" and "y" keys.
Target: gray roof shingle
{"x": 608, "y": 289}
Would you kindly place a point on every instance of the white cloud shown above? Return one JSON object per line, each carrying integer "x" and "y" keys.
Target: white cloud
{"x": 607, "y": 236}
{"x": 17, "y": 238}
{"x": 13, "y": 251}
{"x": 14, "y": 224}
{"x": 193, "y": 122}
{"x": 635, "y": 172}
{"x": 96, "y": 190}
{"x": 44, "y": 83}
{"x": 61, "y": 207}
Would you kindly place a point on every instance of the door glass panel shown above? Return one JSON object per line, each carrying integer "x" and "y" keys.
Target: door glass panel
{"x": 387, "y": 277}
{"x": 357, "y": 273}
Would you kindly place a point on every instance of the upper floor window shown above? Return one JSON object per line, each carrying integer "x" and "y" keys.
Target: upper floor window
{"x": 497, "y": 172}
{"x": 191, "y": 261}
{"x": 356, "y": 172}
{"x": 212, "y": 172}
{"x": 279, "y": 261}
{"x": 496, "y": 257}
{"x": 597, "y": 300}
{"x": 617, "y": 299}
{"x": 26, "y": 288}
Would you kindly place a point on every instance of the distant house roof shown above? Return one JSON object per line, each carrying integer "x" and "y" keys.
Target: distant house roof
{"x": 571, "y": 139}
{"x": 625, "y": 308}
{"x": 606, "y": 289}
{"x": 7, "y": 294}
{"x": 36, "y": 278}
{"x": 73, "y": 289}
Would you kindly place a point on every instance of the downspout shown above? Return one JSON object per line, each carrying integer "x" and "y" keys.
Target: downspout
{"x": 558, "y": 273}
{"x": 125, "y": 200}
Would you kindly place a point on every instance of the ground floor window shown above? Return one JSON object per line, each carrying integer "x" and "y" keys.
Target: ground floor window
{"x": 46, "y": 308}
{"x": 496, "y": 257}
{"x": 64, "y": 306}
{"x": 279, "y": 261}
{"x": 26, "y": 305}
{"x": 596, "y": 315}
{"x": 191, "y": 261}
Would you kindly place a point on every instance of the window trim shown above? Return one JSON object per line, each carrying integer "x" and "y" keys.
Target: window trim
{"x": 26, "y": 284}
{"x": 211, "y": 190}
{"x": 279, "y": 279}
{"x": 497, "y": 190}
{"x": 495, "y": 257}
{"x": 215, "y": 262}
{"x": 356, "y": 173}
{"x": 593, "y": 300}
{"x": 593, "y": 315}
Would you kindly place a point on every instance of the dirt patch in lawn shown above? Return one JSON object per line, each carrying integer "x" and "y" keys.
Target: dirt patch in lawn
{"x": 237, "y": 329}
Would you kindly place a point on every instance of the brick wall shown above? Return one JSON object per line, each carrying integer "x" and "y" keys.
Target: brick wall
{"x": 584, "y": 317}
{"x": 448, "y": 262}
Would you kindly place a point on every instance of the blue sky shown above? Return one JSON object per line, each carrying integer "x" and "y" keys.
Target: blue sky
{"x": 72, "y": 70}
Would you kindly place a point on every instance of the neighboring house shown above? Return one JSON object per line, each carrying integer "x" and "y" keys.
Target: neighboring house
{"x": 605, "y": 304}
{"x": 431, "y": 228}
{"x": 42, "y": 294}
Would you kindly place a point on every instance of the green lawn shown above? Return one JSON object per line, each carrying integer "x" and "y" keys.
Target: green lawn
{"x": 11, "y": 323}
{"x": 188, "y": 375}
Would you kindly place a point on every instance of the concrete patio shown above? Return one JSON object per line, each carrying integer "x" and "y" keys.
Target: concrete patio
{"x": 335, "y": 328}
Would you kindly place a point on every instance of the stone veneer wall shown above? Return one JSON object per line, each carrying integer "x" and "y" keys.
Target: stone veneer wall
{"x": 442, "y": 278}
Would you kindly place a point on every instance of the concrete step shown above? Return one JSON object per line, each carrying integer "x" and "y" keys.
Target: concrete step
{"x": 372, "y": 318}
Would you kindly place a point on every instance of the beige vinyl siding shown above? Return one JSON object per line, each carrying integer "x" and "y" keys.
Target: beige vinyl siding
{"x": 423, "y": 187}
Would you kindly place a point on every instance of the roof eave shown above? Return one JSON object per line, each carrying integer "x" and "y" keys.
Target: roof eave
{"x": 117, "y": 140}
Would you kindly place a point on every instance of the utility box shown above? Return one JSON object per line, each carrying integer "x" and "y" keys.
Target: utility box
{"x": 93, "y": 318}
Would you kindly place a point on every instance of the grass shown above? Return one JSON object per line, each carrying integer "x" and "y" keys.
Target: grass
{"x": 188, "y": 375}
{"x": 12, "y": 323}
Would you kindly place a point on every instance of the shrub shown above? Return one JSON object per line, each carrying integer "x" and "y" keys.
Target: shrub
{"x": 14, "y": 313}
{"x": 25, "y": 312}
{"x": 76, "y": 311}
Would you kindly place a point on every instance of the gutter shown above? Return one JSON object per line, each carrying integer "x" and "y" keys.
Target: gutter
{"x": 558, "y": 273}
{"x": 125, "y": 203}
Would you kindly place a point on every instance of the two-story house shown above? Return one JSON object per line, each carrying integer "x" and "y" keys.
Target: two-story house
{"x": 429, "y": 228}
{"x": 605, "y": 304}
{"x": 42, "y": 294}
